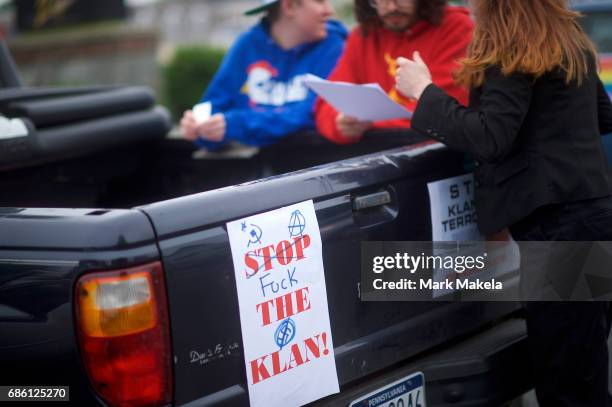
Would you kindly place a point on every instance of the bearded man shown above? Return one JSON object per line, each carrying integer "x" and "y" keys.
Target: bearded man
{"x": 387, "y": 30}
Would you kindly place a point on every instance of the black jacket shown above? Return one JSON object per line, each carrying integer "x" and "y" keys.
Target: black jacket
{"x": 536, "y": 141}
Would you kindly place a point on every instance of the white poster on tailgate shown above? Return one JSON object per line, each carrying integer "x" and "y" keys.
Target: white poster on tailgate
{"x": 287, "y": 342}
{"x": 453, "y": 210}
{"x": 453, "y": 218}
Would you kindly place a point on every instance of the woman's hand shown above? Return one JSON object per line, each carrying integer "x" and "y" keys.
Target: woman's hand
{"x": 212, "y": 129}
{"x": 351, "y": 127}
{"x": 412, "y": 76}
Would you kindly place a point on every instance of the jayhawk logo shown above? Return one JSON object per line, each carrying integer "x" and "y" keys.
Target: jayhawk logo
{"x": 263, "y": 88}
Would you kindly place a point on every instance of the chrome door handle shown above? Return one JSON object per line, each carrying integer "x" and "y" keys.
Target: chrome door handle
{"x": 371, "y": 200}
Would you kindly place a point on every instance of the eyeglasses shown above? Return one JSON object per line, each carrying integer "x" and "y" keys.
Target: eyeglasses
{"x": 398, "y": 3}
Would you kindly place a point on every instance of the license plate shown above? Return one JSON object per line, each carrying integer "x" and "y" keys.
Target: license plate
{"x": 406, "y": 392}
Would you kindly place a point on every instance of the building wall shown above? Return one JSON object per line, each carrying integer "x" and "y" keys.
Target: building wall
{"x": 216, "y": 22}
{"x": 129, "y": 52}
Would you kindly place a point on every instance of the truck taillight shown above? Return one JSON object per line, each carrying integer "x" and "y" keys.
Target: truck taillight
{"x": 124, "y": 335}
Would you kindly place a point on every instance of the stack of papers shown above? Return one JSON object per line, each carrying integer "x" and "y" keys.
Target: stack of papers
{"x": 367, "y": 102}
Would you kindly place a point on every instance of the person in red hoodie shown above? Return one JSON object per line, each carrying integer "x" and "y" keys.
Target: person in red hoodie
{"x": 387, "y": 30}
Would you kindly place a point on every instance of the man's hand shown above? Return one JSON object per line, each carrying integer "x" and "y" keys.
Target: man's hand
{"x": 351, "y": 127}
{"x": 412, "y": 76}
{"x": 212, "y": 129}
{"x": 189, "y": 126}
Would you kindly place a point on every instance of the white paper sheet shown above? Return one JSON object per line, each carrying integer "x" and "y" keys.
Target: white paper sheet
{"x": 202, "y": 112}
{"x": 367, "y": 102}
{"x": 287, "y": 342}
{"x": 453, "y": 211}
{"x": 453, "y": 218}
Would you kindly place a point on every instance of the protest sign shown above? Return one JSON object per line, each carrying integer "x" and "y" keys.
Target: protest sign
{"x": 287, "y": 342}
{"x": 454, "y": 219}
{"x": 453, "y": 211}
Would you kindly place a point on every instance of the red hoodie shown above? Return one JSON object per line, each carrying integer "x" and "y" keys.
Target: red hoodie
{"x": 371, "y": 58}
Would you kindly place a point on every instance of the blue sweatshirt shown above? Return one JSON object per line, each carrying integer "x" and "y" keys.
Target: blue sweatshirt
{"x": 259, "y": 85}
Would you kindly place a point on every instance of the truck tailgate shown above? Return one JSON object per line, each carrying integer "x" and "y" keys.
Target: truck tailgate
{"x": 368, "y": 337}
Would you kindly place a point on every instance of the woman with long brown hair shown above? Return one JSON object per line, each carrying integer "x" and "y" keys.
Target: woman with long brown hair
{"x": 534, "y": 123}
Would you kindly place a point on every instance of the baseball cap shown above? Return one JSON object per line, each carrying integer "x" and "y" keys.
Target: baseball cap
{"x": 264, "y": 5}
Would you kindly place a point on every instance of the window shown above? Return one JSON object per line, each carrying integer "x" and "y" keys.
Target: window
{"x": 599, "y": 27}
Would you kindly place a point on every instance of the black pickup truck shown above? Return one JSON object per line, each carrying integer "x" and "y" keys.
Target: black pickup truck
{"x": 147, "y": 207}
{"x": 151, "y": 212}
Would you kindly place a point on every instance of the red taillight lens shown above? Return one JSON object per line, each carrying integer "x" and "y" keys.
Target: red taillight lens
{"x": 124, "y": 335}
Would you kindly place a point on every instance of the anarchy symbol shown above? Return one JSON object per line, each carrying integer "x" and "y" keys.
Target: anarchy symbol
{"x": 297, "y": 224}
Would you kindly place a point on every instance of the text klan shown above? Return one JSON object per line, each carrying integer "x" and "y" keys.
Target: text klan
{"x": 288, "y": 358}
{"x": 460, "y": 214}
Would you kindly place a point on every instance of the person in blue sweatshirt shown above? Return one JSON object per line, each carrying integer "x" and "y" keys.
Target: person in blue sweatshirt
{"x": 257, "y": 95}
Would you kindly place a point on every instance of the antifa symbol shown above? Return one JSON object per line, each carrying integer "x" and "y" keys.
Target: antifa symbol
{"x": 284, "y": 333}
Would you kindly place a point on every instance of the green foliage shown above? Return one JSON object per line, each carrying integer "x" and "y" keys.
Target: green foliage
{"x": 346, "y": 13}
{"x": 187, "y": 75}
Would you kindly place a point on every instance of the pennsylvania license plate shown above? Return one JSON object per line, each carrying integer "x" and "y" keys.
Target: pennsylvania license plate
{"x": 406, "y": 392}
